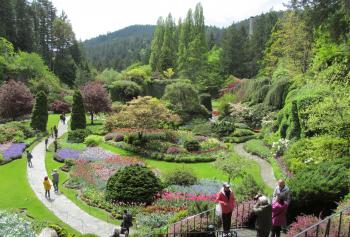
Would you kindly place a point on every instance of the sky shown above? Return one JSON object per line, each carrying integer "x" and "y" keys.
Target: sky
{"x": 91, "y": 18}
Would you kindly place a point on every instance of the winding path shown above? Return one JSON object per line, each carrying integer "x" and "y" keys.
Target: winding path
{"x": 266, "y": 170}
{"x": 59, "y": 204}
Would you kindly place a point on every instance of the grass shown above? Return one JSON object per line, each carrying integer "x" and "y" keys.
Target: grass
{"x": 16, "y": 194}
{"x": 52, "y": 121}
{"x": 277, "y": 171}
{"x": 257, "y": 147}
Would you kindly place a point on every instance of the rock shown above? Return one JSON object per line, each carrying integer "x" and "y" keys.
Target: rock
{"x": 48, "y": 232}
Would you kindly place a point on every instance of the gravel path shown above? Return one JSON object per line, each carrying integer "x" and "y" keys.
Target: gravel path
{"x": 59, "y": 204}
{"x": 266, "y": 170}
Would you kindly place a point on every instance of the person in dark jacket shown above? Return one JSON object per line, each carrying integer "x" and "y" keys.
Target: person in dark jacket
{"x": 226, "y": 199}
{"x": 127, "y": 223}
{"x": 263, "y": 211}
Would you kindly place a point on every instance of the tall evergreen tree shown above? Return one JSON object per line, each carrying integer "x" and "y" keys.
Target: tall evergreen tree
{"x": 168, "y": 51}
{"x": 24, "y": 29}
{"x": 78, "y": 112}
{"x": 156, "y": 46}
{"x": 7, "y": 20}
{"x": 40, "y": 112}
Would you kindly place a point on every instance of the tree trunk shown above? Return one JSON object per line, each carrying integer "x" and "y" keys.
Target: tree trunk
{"x": 92, "y": 118}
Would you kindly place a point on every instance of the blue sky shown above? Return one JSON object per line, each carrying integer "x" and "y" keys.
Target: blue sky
{"x": 91, "y": 18}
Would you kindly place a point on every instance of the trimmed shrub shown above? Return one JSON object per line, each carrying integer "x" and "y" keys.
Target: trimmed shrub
{"x": 316, "y": 189}
{"x": 205, "y": 100}
{"x": 239, "y": 132}
{"x": 78, "y": 112}
{"x": 133, "y": 184}
{"x": 224, "y": 127}
{"x": 59, "y": 107}
{"x": 180, "y": 176}
{"x": 192, "y": 145}
{"x": 157, "y": 87}
{"x": 277, "y": 94}
{"x": 93, "y": 140}
{"x": 78, "y": 135}
{"x": 40, "y": 112}
{"x": 124, "y": 90}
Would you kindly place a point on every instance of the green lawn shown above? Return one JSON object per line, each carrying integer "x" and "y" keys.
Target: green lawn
{"x": 53, "y": 120}
{"x": 16, "y": 193}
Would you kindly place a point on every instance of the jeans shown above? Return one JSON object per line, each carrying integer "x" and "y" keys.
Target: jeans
{"x": 226, "y": 222}
{"x": 55, "y": 186}
{"x": 47, "y": 193}
{"x": 30, "y": 163}
{"x": 275, "y": 231}
{"x": 262, "y": 233}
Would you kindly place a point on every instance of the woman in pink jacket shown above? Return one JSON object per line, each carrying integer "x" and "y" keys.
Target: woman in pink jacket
{"x": 227, "y": 202}
{"x": 279, "y": 209}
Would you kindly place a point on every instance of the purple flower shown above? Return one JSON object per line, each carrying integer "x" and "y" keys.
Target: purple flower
{"x": 67, "y": 153}
{"x": 15, "y": 151}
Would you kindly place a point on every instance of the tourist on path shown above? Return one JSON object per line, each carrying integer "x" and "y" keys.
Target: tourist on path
{"x": 226, "y": 200}
{"x": 29, "y": 159}
{"x": 127, "y": 222}
{"x": 47, "y": 187}
{"x": 263, "y": 211}
{"x": 55, "y": 145}
{"x": 46, "y": 143}
{"x": 63, "y": 118}
{"x": 52, "y": 132}
{"x": 279, "y": 209}
{"x": 55, "y": 130}
{"x": 283, "y": 190}
{"x": 55, "y": 179}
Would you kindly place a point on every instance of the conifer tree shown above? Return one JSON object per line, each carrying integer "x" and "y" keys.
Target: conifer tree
{"x": 78, "y": 112}
{"x": 168, "y": 50}
{"x": 40, "y": 112}
{"x": 156, "y": 46}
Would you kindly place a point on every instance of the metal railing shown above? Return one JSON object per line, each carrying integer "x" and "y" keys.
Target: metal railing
{"x": 199, "y": 223}
{"x": 336, "y": 225}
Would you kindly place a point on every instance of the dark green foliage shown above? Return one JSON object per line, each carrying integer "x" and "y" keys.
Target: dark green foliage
{"x": 205, "y": 100}
{"x": 240, "y": 132}
{"x": 294, "y": 129}
{"x": 157, "y": 87}
{"x": 192, "y": 145}
{"x": 125, "y": 90}
{"x": 258, "y": 89}
{"x": 224, "y": 127}
{"x": 316, "y": 189}
{"x": 78, "y": 135}
{"x": 247, "y": 188}
{"x": 277, "y": 94}
{"x": 133, "y": 184}
{"x": 65, "y": 67}
{"x": 40, "y": 112}
{"x": 180, "y": 176}
{"x": 78, "y": 112}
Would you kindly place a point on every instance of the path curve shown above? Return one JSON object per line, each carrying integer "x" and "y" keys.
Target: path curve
{"x": 266, "y": 170}
{"x": 60, "y": 205}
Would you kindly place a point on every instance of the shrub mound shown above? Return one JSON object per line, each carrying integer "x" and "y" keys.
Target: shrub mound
{"x": 181, "y": 176}
{"x": 133, "y": 184}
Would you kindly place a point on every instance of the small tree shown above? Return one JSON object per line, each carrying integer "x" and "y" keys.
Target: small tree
{"x": 40, "y": 114}
{"x": 235, "y": 167}
{"x": 96, "y": 99}
{"x": 15, "y": 100}
{"x": 78, "y": 112}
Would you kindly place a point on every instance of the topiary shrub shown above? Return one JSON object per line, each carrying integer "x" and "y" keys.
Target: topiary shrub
{"x": 78, "y": 135}
{"x": 78, "y": 112}
{"x": 277, "y": 94}
{"x": 205, "y": 100}
{"x": 192, "y": 145}
{"x": 124, "y": 90}
{"x": 180, "y": 176}
{"x": 317, "y": 189}
{"x": 133, "y": 184}
{"x": 40, "y": 112}
{"x": 93, "y": 140}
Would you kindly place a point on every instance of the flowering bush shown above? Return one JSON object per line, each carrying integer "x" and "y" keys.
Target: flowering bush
{"x": 14, "y": 225}
{"x": 94, "y": 154}
{"x": 278, "y": 148}
{"x": 174, "y": 150}
{"x": 66, "y": 153}
{"x": 210, "y": 143}
{"x": 119, "y": 138}
{"x": 188, "y": 196}
{"x": 93, "y": 140}
{"x": 153, "y": 220}
{"x": 60, "y": 107}
{"x": 201, "y": 138}
{"x": 14, "y": 151}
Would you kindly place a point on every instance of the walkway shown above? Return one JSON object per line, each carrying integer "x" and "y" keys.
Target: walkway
{"x": 266, "y": 170}
{"x": 60, "y": 205}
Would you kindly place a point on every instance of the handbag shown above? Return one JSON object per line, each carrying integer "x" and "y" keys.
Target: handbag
{"x": 218, "y": 210}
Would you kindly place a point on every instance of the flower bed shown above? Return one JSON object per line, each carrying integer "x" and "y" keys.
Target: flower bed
{"x": 188, "y": 196}
{"x": 205, "y": 186}
{"x": 11, "y": 151}
{"x": 66, "y": 153}
{"x": 94, "y": 154}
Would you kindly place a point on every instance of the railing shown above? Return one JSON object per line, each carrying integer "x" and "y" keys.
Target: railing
{"x": 199, "y": 223}
{"x": 336, "y": 225}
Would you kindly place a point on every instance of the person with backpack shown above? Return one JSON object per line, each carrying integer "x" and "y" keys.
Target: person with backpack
{"x": 127, "y": 223}
{"x": 29, "y": 159}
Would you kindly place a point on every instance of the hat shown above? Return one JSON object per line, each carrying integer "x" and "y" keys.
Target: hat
{"x": 263, "y": 200}
{"x": 226, "y": 185}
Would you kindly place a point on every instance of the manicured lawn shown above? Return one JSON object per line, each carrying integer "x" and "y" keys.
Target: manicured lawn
{"x": 277, "y": 171}
{"x": 52, "y": 121}
{"x": 15, "y": 193}
{"x": 257, "y": 147}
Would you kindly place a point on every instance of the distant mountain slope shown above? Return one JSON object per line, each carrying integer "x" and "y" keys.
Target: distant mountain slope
{"x": 121, "y": 48}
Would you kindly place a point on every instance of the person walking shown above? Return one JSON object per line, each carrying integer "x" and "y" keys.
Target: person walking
{"x": 55, "y": 130}
{"x": 55, "y": 179}
{"x": 263, "y": 211}
{"x": 46, "y": 142}
{"x": 55, "y": 145}
{"x": 226, "y": 200}
{"x": 127, "y": 223}
{"x": 29, "y": 159}
{"x": 279, "y": 209}
{"x": 52, "y": 132}
{"x": 283, "y": 190}
{"x": 47, "y": 187}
